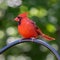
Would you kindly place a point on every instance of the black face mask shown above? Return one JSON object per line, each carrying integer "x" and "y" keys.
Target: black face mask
{"x": 19, "y": 22}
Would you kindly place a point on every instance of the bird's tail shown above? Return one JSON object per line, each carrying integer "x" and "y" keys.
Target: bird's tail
{"x": 44, "y": 35}
{"x": 47, "y": 37}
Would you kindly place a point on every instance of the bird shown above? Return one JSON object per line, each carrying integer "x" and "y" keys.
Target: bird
{"x": 27, "y": 28}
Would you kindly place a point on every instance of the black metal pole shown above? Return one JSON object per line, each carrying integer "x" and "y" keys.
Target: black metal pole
{"x": 31, "y": 40}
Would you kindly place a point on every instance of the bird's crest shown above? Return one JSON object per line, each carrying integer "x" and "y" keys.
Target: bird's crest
{"x": 23, "y": 14}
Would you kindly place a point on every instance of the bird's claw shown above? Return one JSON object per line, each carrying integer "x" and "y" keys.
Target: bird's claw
{"x": 33, "y": 38}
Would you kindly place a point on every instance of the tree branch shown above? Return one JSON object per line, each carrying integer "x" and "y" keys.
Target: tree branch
{"x": 31, "y": 40}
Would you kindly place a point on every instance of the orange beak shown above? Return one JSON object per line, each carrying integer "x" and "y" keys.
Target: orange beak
{"x": 16, "y": 19}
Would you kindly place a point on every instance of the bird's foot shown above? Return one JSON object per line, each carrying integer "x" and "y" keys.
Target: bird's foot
{"x": 25, "y": 38}
{"x": 33, "y": 38}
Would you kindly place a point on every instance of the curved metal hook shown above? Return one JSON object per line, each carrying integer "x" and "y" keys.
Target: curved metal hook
{"x": 31, "y": 40}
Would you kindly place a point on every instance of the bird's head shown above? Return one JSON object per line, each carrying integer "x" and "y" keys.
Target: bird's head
{"x": 21, "y": 16}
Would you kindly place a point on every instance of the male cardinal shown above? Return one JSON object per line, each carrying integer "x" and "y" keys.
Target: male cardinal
{"x": 28, "y": 29}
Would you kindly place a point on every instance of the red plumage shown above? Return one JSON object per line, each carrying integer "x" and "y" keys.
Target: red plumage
{"x": 27, "y": 28}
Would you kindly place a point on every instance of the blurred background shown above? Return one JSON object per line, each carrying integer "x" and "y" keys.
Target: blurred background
{"x": 46, "y": 14}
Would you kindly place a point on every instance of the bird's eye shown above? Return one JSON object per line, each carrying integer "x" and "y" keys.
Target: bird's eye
{"x": 19, "y": 18}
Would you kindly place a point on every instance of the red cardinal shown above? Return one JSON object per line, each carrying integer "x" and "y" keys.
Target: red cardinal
{"x": 27, "y": 28}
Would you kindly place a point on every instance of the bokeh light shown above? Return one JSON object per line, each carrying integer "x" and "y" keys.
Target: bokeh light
{"x": 2, "y": 57}
{"x": 34, "y": 11}
{"x": 52, "y": 19}
{"x": 2, "y": 12}
{"x": 11, "y": 57}
{"x": 25, "y": 47}
{"x": 21, "y": 57}
{"x": 50, "y": 57}
{"x": 55, "y": 46}
{"x": 1, "y": 1}
{"x": 14, "y": 3}
{"x": 51, "y": 28}
{"x": 2, "y": 34}
{"x": 42, "y": 12}
{"x": 38, "y": 12}
{"x": 3, "y": 4}
{"x": 43, "y": 49}
{"x": 11, "y": 39}
{"x": 11, "y": 31}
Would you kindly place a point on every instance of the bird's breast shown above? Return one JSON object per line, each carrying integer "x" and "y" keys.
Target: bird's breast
{"x": 26, "y": 29}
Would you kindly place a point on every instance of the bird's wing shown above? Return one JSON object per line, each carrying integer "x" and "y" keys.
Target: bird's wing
{"x": 37, "y": 28}
{"x": 32, "y": 22}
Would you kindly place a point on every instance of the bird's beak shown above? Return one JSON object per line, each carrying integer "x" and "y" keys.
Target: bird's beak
{"x": 16, "y": 19}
